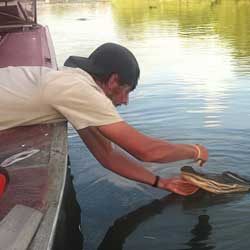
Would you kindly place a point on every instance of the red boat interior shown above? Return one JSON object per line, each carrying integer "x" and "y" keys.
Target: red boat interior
{"x": 23, "y": 42}
{"x": 28, "y": 48}
{"x": 28, "y": 180}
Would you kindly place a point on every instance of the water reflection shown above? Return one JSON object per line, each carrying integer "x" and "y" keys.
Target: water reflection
{"x": 201, "y": 232}
{"x": 126, "y": 225}
{"x": 199, "y": 43}
{"x": 191, "y": 18}
{"x": 200, "y": 46}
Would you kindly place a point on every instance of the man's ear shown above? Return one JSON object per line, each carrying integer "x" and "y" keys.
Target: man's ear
{"x": 113, "y": 81}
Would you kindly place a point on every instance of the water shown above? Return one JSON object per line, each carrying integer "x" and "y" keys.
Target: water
{"x": 194, "y": 88}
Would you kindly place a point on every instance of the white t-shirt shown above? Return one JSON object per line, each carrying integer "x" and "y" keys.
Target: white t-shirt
{"x": 35, "y": 95}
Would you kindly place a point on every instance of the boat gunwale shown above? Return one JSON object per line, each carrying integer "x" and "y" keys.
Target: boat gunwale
{"x": 57, "y": 166}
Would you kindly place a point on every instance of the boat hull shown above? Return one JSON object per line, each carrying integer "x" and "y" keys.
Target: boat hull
{"x": 38, "y": 181}
{"x": 27, "y": 48}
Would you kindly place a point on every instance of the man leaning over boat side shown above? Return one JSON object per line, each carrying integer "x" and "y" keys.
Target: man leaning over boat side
{"x": 85, "y": 93}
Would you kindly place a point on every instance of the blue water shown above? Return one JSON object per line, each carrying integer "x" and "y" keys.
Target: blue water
{"x": 194, "y": 88}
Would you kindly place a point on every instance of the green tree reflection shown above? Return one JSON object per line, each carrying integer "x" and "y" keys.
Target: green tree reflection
{"x": 227, "y": 19}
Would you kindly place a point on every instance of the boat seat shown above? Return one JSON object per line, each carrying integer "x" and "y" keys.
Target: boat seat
{"x": 18, "y": 227}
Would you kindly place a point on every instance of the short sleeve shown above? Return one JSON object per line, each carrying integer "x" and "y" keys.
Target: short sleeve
{"x": 76, "y": 96}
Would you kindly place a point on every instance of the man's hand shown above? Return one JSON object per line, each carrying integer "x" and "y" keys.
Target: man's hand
{"x": 178, "y": 185}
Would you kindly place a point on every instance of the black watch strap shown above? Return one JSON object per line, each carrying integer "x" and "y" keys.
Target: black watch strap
{"x": 156, "y": 182}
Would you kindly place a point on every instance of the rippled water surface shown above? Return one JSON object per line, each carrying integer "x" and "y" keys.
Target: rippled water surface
{"x": 194, "y": 88}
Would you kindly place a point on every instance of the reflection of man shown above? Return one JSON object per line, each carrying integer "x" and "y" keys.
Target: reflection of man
{"x": 201, "y": 233}
{"x": 86, "y": 93}
{"x": 124, "y": 226}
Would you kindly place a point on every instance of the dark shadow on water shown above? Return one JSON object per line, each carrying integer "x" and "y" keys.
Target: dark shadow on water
{"x": 127, "y": 224}
{"x": 200, "y": 233}
{"x": 68, "y": 232}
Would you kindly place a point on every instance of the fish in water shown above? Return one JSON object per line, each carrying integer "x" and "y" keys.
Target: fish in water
{"x": 227, "y": 182}
{"x": 18, "y": 157}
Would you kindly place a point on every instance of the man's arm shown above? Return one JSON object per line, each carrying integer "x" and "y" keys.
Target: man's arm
{"x": 150, "y": 149}
{"x": 113, "y": 158}
{"x": 119, "y": 162}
